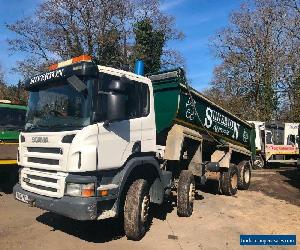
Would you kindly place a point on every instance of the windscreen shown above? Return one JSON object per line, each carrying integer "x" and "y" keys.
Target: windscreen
{"x": 58, "y": 107}
{"x": 274, "y": 133}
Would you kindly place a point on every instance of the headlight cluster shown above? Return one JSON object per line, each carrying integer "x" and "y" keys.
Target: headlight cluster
{"x": 82, "y": 190}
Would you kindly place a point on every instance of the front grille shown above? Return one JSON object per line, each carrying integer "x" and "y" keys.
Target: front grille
{"x": 42, "y": 187}
{"x": 40, "y": 178}
{"x": 43, "y": 157}
{"x": 43, "y": 182}
{"x": 45, "y": 150}
{"x": 47, "y": 171}
{"x": 43, "y": 161}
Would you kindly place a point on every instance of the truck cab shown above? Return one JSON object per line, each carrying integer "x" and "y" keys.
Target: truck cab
{"x": 87, "y": 128}
{"x": 276, "y": 142}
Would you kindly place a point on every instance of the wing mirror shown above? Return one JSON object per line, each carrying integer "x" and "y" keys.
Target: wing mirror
{"x": 116, "y": 99}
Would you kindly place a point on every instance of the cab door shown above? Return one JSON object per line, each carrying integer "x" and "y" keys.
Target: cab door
{"x": 118, "y": 140}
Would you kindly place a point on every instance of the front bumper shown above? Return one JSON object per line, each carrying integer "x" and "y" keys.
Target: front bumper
{"x": 77, "y": 208}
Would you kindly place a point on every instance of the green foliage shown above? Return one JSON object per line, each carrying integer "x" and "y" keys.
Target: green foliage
{"x": 110, "y": 52}
{"x": 149, "y": 45}
{"x": 16, "y": 94}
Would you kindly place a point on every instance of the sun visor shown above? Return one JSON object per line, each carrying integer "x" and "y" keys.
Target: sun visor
{"x": 88, "y": 69}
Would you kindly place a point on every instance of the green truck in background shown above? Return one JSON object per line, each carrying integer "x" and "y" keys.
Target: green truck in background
{"x": 12, "y": 120}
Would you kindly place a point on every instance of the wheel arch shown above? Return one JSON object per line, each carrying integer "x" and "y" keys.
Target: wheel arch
{"x": 145, "y": 167}
{"x": 238, "y": 157}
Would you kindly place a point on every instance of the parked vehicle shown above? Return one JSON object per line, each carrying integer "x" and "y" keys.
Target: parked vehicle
{"x": 101, "y": 142}
{"x": 12, "y": 121}
{"x": 276, "y": 142}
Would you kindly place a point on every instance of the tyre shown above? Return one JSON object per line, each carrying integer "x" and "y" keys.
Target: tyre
{"x": 229, "y": 180}
{"x": 136, "y": 210}
{"x": 244, "y": 175}
{"x": 185, "y": 194}
{"x": 259, "y": 162}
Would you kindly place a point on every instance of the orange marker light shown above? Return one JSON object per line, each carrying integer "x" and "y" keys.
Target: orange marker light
{"x": 82, "y": 58}
{"x": 88, "y": 190}
{"x": 103, "y": 192}
{"x": 53, "y": 66}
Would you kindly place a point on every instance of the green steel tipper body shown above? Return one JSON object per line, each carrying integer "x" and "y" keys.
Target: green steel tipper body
{"x": 101, "y": 142}
{"x": 175, "y": 103}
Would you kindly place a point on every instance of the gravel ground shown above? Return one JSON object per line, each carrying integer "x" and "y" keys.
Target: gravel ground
{"x": 271, "y": 206}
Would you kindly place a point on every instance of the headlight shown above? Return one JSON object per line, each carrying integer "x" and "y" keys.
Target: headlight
{"x": 83, "y": 190}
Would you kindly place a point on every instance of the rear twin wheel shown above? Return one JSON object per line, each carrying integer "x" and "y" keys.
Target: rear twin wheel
{"x": 236, "y": 177}
{"x": 229, "y": 180}
{"x": 185, "y": 194}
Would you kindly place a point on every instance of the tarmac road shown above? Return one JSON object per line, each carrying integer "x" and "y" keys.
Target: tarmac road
{"x": 271, "y": 206}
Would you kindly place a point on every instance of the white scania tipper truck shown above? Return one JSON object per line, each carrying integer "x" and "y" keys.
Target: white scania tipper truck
{"x": 101, "y": 142}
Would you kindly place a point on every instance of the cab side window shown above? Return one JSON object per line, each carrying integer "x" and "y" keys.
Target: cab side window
{"x": 138, "y": 102}
{"x": 145, "y": 100}
{"x": 133, "y": 102}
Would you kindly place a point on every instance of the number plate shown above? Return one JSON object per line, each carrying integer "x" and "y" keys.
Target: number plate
{"x": 22, "y": 197}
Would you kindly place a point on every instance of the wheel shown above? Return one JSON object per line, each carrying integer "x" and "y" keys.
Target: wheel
{"x": 136, "y": 210}
{"x": 244, "y": 175}
{"x": 185, "y": 194}
{"x": 259, "y": 162}
{"x": 229, "y": 180}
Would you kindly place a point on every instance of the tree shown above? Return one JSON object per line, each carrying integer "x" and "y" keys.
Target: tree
{"x": 290, "y": 85}
{"x": 16, "y": 94}
{"x": 61, "y": 29}
{"x": 257, "y": 63}
{"x": 3, "y": 88}
{"x": 149, "y": 45}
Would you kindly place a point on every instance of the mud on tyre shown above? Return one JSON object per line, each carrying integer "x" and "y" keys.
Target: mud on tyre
{"x": 136, "y": 210}
{"x": 229, "y": 180}
{"x": 244, "y": 175}
{"x": 185, "y": 194}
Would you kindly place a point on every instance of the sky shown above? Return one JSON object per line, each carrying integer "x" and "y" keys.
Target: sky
{"x": 199, "y": 20}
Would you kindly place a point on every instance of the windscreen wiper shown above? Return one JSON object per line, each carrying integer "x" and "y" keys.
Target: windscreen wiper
{"x": 36, "y": 126}
{"x": 64, "y": 126}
